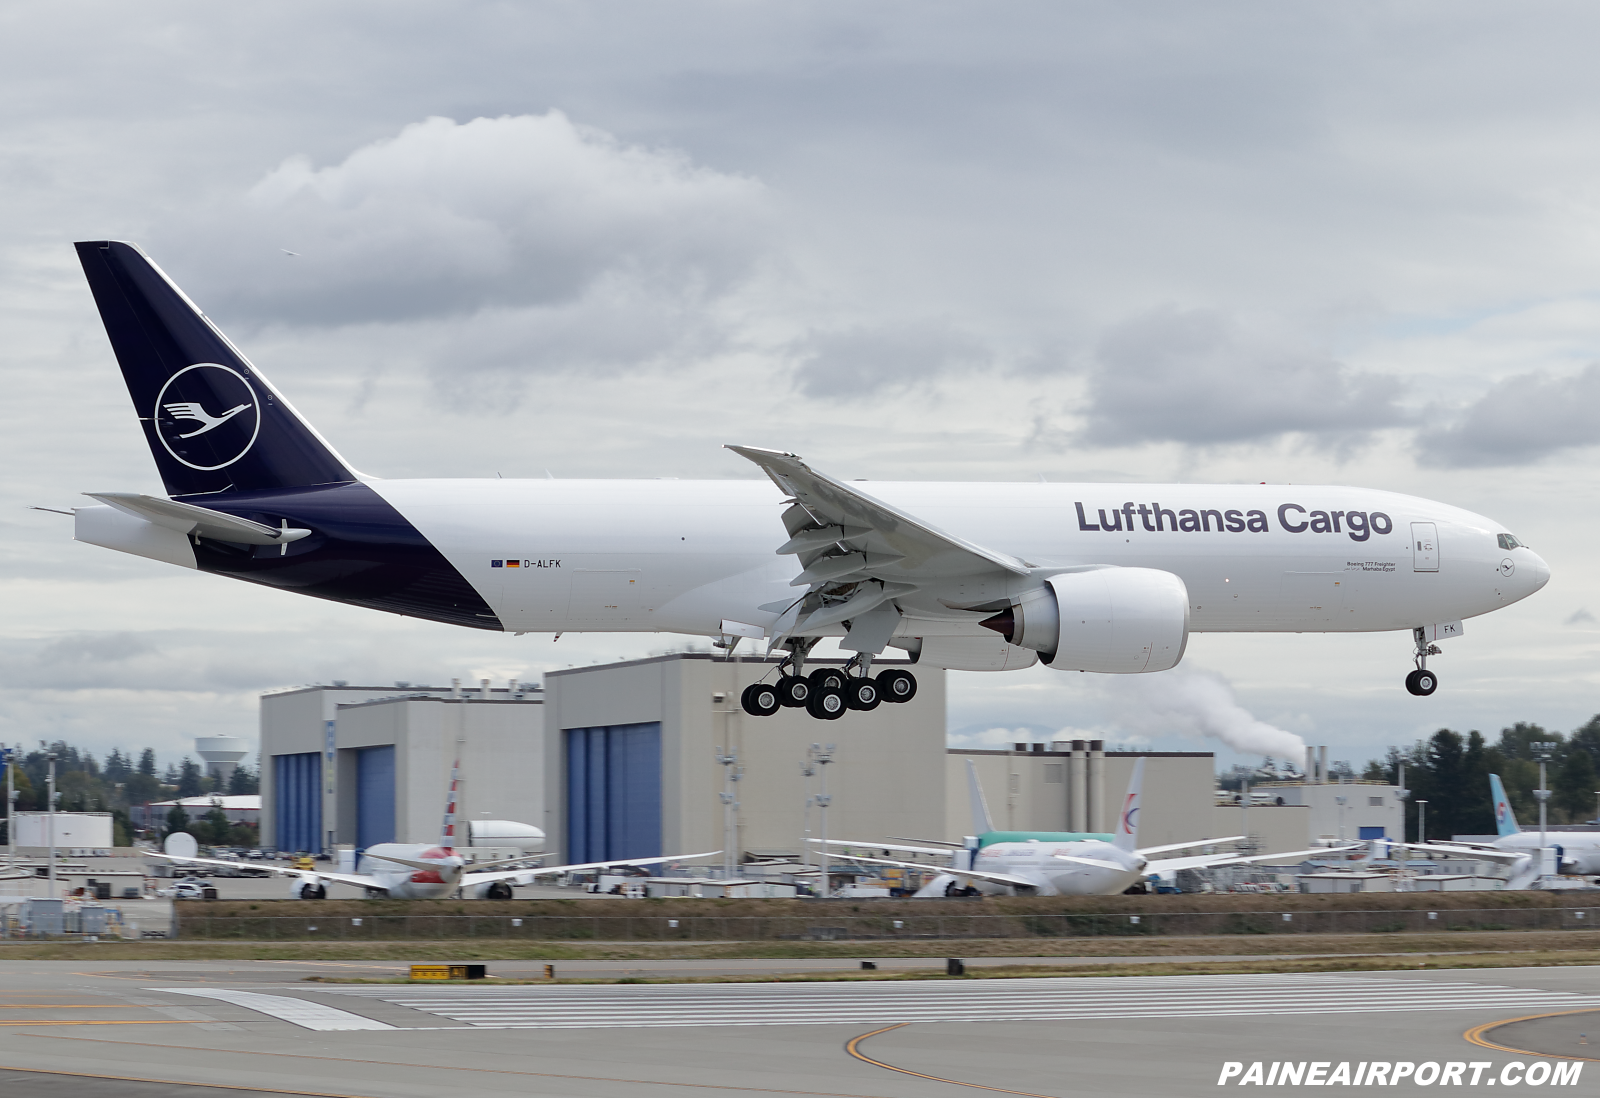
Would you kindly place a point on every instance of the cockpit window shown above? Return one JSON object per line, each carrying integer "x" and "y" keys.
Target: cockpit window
{"x": 1508, "y": 542}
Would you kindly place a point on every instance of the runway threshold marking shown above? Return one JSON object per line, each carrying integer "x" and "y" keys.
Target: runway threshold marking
{"x": 853, "y": 1047}
{"x": 178, "y": 1082}
{"x": 486, "y": 1071}
{"x": 1476, "y": 1036}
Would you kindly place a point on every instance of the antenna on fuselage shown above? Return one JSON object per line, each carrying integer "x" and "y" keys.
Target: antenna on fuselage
{"x": 981, "y": 823}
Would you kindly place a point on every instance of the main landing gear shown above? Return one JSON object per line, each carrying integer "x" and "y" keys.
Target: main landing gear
{"x": 1423, "y": 682}
{"x": 827, "y": 692}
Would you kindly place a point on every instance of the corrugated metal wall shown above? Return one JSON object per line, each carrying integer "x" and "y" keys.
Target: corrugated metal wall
{"x": 297, "y": 801}
{"x": 374, "y": 796}
{"x": 613, "y": 792}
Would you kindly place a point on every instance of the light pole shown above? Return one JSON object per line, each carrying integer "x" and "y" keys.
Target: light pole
{"x": 1542, "y": 748}
{"x": 731, "y": 773}
{"x": 8, "y": 757}
{"x": 822, "y": 756}
{"x": 807, "y": 771}
{"x": 50, "y": 816}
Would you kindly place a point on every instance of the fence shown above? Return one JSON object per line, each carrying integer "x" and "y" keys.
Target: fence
{"x": 713, "y": 928}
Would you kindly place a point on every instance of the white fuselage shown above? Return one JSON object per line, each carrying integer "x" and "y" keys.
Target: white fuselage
{"x": 1036, "y": 861}
{"x": 685, "y": 556}
{"x": 1580, "y": 850}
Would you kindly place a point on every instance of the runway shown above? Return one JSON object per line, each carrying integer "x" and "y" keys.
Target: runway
{"x": 205, "y": 1026}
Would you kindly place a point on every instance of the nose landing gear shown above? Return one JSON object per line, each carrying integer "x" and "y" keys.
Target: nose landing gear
{"x": 1423, "y": 682}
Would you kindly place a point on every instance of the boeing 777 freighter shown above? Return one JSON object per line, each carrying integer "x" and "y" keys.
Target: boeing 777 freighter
{"x": 982, "y": 577}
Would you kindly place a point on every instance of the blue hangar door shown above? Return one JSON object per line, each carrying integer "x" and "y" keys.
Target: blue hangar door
{"x": 297, "y": 801}
{"x": 613, "y": 792}
{"x": 374, "y": 796}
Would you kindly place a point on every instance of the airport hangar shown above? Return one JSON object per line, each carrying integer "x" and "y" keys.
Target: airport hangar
{"x": 621, "y": 760}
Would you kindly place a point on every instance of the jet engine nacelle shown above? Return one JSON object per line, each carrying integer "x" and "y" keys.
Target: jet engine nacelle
{"x": 1119, "y": 621}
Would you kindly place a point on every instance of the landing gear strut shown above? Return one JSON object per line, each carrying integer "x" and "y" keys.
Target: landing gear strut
{"x": 1423, "y": 682}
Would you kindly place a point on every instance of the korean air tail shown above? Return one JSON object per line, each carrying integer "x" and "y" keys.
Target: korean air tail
{"x": 1127, "y": 831}
{"x": 1504, "y": 821}
{"x": 213, "y": 423}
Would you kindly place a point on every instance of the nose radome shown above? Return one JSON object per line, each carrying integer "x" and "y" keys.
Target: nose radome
{"x": 1537, "y": 570}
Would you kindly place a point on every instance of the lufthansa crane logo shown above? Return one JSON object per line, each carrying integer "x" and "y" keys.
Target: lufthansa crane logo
{"x": 207, "y": 416}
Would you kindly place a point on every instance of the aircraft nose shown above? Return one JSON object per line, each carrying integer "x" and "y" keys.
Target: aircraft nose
{"x": 1537, "y": 570}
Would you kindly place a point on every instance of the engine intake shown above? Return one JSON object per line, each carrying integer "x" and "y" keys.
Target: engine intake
{"x": 1119, "y": 621}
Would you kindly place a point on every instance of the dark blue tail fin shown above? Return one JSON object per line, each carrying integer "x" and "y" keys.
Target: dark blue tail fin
{"x": 213, "y": 423}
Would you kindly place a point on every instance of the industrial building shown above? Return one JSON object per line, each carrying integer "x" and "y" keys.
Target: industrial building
{"x": 239, "y": 808}
{"x": 354, "y": 766}
{"x": 656, "y": 756}
{"x": 73, "y": 830}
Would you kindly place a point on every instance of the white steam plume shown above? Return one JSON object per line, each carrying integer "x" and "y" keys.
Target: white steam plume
{"x": 1196, "y": 703}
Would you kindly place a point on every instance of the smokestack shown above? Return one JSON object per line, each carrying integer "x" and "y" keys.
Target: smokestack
{"x": 1322, "y": 764}
{"x": 1311, "y": 766}
{"x": 483, "y": 690}
{"x": 1097, "y": 785}
{"x": 1078, "y": 788}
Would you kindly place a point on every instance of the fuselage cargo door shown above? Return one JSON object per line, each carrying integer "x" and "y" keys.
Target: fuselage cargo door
{"x": 1424, "y": 547}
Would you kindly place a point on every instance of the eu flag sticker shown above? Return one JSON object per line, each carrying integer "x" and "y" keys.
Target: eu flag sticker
{"x": 497, "y": 564}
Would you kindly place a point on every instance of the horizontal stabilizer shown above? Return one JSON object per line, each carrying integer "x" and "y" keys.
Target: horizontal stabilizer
{"x": 187, "y": 518}
{"x": 1149, "y": 850}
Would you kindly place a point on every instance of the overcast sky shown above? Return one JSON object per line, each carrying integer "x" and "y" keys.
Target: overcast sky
{"x": 1288, "y": 242}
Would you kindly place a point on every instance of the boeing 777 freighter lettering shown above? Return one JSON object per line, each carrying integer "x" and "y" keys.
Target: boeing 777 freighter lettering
{"x": 980, "y": 577}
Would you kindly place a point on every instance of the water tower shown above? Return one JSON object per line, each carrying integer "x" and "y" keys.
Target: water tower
{"x": 221, "y": 754}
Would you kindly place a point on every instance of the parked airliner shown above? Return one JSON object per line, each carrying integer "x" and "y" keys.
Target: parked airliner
{"x": 1576, "y": 853}
{"x": 421, "y": 871}
{"x": 1107, "y": 578}
{"x": 1061, "y": 864}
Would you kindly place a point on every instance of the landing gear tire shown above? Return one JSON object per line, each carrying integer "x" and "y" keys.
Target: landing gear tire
{"x": 827, "y": 705}
{"x": 1422, "y": 683}
{"x": 897, "y": 686}
{"x": 760, "y": 699}
{"x": 498, "y": 890}
{"x": 862, "y": 694}
{"x": 794, "y": 692}
{"x": 827, "y": 678}
{"x": 313, "y": 892}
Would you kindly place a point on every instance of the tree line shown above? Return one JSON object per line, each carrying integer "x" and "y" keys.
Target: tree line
{"x": 1451, "y": 772}
{"x": 121, "y": 781}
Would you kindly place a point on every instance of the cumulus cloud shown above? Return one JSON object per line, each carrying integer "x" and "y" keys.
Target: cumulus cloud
{"x": 1518, "y": 421}
{"x": 521, "y": 243}
{"x": 1199, "y": 378}
{"x": 1192, "y": 702}
{"x": 840, "y": 365}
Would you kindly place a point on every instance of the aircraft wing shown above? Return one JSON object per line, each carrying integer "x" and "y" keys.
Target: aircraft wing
{"x": 942, "y": 851}
{"x": 850, "y": 536}
{"x": 359, "y": 880}
{"x": 1463, "y": 851}
{"x": 1196, "y": 861}
{"x": 1148, "y": 850}
{"x": 1095, "y": 862}
{"x": 997, "y": 878}
{"x": 547, "y": 870}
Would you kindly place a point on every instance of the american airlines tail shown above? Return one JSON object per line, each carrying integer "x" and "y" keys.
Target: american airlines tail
{"x": 1127, "y": 835}
{"x": 1504, "y": 820}
{"x": 447, "y": 830}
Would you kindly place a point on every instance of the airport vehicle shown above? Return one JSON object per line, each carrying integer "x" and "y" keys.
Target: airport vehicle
{"x": 418, "y": 871}
{"x": 1108, "y": 578}
{"x": 1064, "y": 863}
